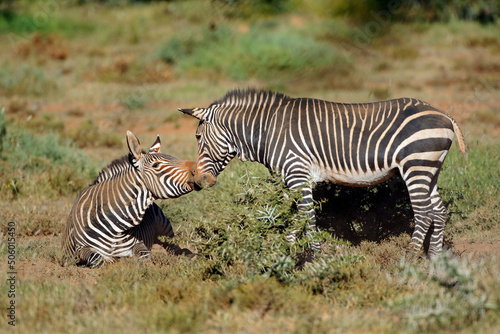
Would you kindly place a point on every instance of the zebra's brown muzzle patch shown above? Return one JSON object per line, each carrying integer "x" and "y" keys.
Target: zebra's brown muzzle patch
{"x": 204, "y": 180}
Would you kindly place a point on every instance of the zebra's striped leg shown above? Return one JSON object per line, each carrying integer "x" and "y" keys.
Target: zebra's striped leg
{"x": 141, "y": 250}
{"x": 306, "y": 207}
{"x": 90, "y": 258}
{"x": 423, "y": 220}
{"x": 163, "y": 227}
{"x": 418, "y": 189}
{"x": 439, "y": 220}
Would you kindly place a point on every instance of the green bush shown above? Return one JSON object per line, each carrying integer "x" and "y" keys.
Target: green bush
{"x": 21, "y": 22}
{"x": 255, "y": 8}
{"x": 247, "y": 237}
{"x": 46, "y": 164}
{"x": 89, "y": 135}
{"x": 366, "y": 11}
{"x": 450, "y": 298}
{"x": 265, "y": 52}
{"x": 174, "y": 50}
{"x": 27, "y": 80}
{"x": 133, "y": 102}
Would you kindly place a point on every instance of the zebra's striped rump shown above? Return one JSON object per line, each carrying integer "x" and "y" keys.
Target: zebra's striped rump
{"x": 311, "y": 140}
{"x": 116, "y": 217}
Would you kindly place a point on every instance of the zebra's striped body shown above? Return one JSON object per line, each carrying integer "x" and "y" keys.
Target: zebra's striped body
{"x": 115, "y": 216}
{"x": 311, "y": 140}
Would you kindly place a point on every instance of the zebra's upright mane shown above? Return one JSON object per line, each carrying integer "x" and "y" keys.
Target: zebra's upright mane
{"x": 238, "y": 96}
{"x": 114, "y": 168}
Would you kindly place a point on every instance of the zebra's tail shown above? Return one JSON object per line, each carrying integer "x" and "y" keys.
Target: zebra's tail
{"x": 460, "y": 136}
{"x": 457, "y": 131}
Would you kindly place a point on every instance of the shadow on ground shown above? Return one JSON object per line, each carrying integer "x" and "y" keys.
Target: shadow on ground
{"x": 365, "y": 214}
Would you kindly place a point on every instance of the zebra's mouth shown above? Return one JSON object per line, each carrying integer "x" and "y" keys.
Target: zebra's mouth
{"x": 196, "y": 187}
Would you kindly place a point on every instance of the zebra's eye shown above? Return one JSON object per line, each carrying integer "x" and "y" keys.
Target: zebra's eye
{"x": 198, "y": 136}
{"x": 156, "y": 164}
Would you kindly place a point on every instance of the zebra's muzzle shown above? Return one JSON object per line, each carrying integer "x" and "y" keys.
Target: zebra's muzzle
{"x": 205, "y": 180}
{"x": 194, "y": 186}
{"x": 191, "y": 165}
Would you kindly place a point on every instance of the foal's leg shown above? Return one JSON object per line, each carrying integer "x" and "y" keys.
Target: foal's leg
{"x": 88, "y": 257}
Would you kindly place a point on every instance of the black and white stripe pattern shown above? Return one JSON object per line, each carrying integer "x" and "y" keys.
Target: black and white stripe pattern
{"x": 115, "y": 216}
{"x": 311, "y": 140}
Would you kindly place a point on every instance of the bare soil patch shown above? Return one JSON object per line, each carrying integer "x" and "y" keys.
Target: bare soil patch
{"x": 477, "y": 249}
{"x": 41, "y": 270}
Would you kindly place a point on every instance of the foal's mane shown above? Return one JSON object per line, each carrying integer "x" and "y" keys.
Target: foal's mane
{"x": 114, "y": 168}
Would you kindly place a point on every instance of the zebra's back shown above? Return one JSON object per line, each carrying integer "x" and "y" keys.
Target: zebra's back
{"x": 356, "y": 144}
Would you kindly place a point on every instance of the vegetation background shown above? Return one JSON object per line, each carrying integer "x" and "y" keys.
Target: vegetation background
{"x": 75, "y": 75}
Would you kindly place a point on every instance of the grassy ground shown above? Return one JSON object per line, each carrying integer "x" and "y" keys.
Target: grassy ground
{"x": 75, "y": 78}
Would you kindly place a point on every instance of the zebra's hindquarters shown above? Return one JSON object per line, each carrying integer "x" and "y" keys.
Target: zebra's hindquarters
{"x": 420, "y": 171}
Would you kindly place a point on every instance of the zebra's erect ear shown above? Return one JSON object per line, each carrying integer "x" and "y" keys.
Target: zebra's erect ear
{"x": 199, "y": 113}
{"x": 155, "y": 148}
{"x": 134, "y": 146}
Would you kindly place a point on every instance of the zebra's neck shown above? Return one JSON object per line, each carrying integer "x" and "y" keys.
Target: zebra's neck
{"x": 247, "y": 115}
{"x": 121, "y": 182}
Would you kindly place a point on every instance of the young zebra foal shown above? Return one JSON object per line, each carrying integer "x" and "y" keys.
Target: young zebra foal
{"x": 116, "y": 217}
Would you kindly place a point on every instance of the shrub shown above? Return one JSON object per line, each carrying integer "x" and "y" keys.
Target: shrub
{"x": 248, "y": 235}
{"x": 27, "y": 80}
{"x": 132, "y": 102}
{"x": 89, "y": 135}
{"x": 367, "y": 213}
{"x": 48, "y": 165}
{"x": 451, "y": 297}
{"x": 43, "y": 18}
{"x": 255, "y": 8}
{"x": 265, "y": 52}
{"x": 484, "y": 11}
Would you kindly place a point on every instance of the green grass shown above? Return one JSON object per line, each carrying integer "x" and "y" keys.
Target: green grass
{"x": 43, "y": 17}
{"x": 246, "y": 274}
{"x": 89, "y": 135}
{"x": 45, "y": 166}
{"x": 470, "y": 189}
{"x": 333, "y": 293}
{"x": 26, "y": 80}
{"x": 265, "y": 52}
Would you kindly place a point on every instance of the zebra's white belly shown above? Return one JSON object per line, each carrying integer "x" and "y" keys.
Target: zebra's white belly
{"x": 123, "y": 252}
{"x": 350, "y": 178}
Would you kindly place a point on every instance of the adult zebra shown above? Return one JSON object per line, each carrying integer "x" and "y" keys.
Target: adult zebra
{"x": 116, "y": 217}
{"x": 311, "y": 140}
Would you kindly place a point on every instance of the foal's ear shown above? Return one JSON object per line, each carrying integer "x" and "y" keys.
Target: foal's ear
{"x": 134, "y": 147}
{"x": 155, "y": 148}
{"x": 200, "y": 113}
